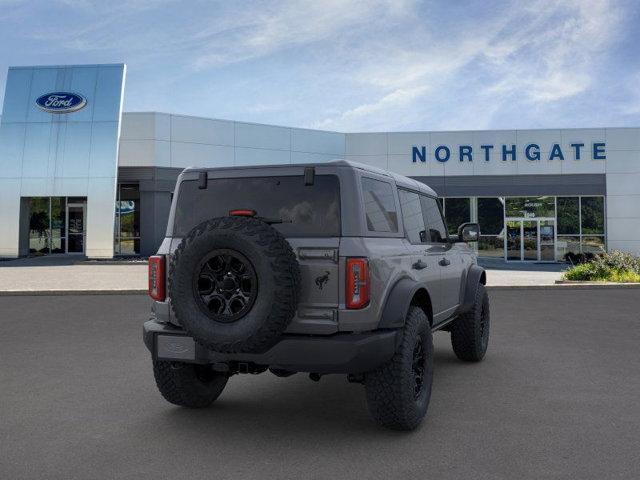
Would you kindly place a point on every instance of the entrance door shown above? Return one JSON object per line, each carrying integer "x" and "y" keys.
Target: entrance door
{"x": 513, "y": 240}
{"x": 530, "y": 240}
{"x": 547, "y": 240}
{"x": 75, "y": 227}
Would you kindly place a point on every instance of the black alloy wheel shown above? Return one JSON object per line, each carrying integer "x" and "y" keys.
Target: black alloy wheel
{"x": 225, "y": 285}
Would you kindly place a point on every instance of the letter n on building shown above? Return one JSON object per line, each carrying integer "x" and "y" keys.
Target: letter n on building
{"x": 419, "y": 153}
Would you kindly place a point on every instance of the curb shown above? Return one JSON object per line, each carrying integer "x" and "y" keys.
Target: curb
{"x": 22, "y": 293}
{"x": 567, "y": 286}
{"x": 143, "y": 291}
{"x": 586, "y": 282}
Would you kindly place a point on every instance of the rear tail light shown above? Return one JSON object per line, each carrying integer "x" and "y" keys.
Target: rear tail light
{"x": 357, "y": 283}
{"x": 157, "y": 277}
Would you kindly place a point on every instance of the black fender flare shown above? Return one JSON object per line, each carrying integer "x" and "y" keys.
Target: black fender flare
{"x": 398, "y": 301}
{"x": 475, "y": 276}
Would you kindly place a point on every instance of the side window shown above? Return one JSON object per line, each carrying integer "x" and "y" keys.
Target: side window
{"x": 379, "y": 206}
{"x": 436, "y": 231}
{"x": 412, "y": 217}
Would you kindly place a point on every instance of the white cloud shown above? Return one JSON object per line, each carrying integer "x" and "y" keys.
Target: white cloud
{"x": 398, "y": 98}
{"x": 550, "y": 57}
{"x": 541, "y": 53}
{"x": 351, "y": 64}
{"x": 283, "y": 25}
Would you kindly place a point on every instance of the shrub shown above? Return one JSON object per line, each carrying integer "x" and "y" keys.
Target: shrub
{"x": 578, "y": 258}
{"x": 615, "y": 266}
{"x": 617, "y": 260}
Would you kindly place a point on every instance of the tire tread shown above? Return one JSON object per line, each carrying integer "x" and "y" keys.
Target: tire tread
{"x": 389, "y": 389}
{"x": 465, "y": 330}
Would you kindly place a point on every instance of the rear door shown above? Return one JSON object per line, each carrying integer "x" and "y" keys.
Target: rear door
{"x": 424, "y": 266}
{"x": 319, "y": 294}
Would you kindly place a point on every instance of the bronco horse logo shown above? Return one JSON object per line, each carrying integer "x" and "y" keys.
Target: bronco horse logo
{"x": 322, "y": 279}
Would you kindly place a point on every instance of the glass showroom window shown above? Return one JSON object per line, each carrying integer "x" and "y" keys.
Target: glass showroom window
{"x": 580, "y": 225}
{"x": 592, "y": 223}
{"x": 491, "y": 220}
{"x": 530, "y": 207}
{"x": 58, "y": 222}
{"x": 127, "y": 228}
{"x": 456, "y": 211}
{"x": 47, "y": 225}
{"x": 568, "y": 226}
{"x": 39, "y": 225}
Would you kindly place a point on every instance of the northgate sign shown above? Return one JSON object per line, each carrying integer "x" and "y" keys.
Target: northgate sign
{"x": 531, "y": 152}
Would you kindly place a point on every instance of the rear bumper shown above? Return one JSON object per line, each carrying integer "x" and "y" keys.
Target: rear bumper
{"x": 339, "y": 353}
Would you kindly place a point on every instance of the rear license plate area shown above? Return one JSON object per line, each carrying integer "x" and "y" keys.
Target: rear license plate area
{"x": 175, "y": 347}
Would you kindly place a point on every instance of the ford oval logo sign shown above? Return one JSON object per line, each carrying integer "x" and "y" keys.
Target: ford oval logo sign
{"x": 61, "y": 102}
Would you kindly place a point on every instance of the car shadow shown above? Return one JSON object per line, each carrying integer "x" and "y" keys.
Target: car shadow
{"x": 263, "y": 406}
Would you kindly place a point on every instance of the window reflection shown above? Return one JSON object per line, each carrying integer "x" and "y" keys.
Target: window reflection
{"x": 592, "y": 212}
{"x": 456, "y": 212}
{"x": 48, "y": 229}
{"x": 491, "y": 215}
{"x": 568, "y": 215}
{"x": 530, "y": 207}
{"x": 127, "y": 220}
{"x": 412, "y": 218}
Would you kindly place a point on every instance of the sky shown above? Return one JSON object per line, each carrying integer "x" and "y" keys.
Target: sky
{"x": 349, "y": 65}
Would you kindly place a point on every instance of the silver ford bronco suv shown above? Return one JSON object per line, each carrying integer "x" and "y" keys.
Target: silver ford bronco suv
{"x": 321, "y": 268}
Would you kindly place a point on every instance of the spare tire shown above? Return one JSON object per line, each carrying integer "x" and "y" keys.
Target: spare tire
{"x": 234, "y": 284}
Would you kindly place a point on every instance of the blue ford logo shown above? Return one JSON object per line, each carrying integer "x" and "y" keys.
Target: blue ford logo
{"x": 61, "y": 102}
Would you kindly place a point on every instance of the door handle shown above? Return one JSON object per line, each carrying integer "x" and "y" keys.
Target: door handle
{"x": 444, "y": 262}
{"x": 419, "y": 265}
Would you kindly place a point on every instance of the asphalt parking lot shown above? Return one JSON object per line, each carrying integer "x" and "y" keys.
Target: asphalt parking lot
{"x": 558, "y": 396}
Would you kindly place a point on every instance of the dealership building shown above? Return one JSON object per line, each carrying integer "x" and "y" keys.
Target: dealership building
{"x": 80, "y": 176}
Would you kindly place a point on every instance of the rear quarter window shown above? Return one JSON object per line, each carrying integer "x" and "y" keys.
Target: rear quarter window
{"x": 379, "y": 206}
{"x": 305, "y": 210}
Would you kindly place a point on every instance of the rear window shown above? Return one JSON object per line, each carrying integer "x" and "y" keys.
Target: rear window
{"x": 306, "y": 211}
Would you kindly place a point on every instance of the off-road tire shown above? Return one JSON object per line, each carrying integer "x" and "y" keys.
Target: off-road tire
{"x": 188, "y": 385}
{"x": 470, "y": 331}
{"x": 278, "y": 284}
{"x": 390, "y": 389}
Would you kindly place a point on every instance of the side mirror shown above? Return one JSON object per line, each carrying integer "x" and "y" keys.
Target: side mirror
{"x": 469, "y": 232}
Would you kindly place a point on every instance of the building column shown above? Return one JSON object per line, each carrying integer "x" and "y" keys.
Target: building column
{"x": 25, "y": 220}
{"x": 9, "y": 217}
{"x": 155, "y": 204}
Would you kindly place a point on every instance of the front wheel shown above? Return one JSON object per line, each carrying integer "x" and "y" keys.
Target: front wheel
{"x": 399, "y": 391}
{"x": 187, "y": 384}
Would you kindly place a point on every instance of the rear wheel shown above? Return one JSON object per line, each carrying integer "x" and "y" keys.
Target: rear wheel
{"x": 188, "y": 384}
{"x": 399, "y": 391}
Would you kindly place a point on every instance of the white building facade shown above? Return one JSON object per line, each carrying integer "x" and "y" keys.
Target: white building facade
{"x": 537, "y": 194}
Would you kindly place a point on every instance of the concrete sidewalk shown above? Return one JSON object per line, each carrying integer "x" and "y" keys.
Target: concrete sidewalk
{"x": 66, "y": 275}
{"x": 519, "y": 274}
